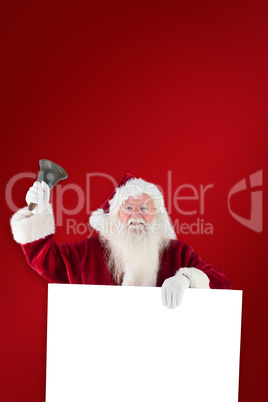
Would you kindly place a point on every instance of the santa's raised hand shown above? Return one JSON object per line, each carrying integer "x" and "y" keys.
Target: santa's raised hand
{"x": 38, "y": 194}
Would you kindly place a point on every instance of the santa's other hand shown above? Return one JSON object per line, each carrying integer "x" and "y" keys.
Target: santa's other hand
{"x": 173, "y": 289}
{"x": 38, "y": 194}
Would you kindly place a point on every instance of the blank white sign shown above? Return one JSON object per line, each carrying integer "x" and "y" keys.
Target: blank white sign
{"x": 119, "y": 344}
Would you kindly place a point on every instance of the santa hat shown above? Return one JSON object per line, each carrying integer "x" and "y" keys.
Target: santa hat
{"x": 130, "y": 186}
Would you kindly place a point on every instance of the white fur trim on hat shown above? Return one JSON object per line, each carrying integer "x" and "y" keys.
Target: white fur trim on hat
{"x": 197, "y": 278}
{"x": 27, "y": 227}
{"x": 134, "y": 188}
{"x": 99, "y": 220}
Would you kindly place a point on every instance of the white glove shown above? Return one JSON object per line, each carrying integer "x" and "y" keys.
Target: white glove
{"x": 38, "y": 194}
{"x": 173, "y": 289}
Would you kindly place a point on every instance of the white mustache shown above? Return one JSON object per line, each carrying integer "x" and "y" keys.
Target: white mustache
{"x": 135, "y": 221}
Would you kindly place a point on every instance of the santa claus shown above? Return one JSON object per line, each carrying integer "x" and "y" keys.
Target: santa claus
{"x": 136, "y": 245}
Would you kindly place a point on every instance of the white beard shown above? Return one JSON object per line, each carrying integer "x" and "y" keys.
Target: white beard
{"x": 134, "y": 253}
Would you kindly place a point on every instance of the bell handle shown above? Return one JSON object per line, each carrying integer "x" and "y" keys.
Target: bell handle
{"x": 31, "y": 206}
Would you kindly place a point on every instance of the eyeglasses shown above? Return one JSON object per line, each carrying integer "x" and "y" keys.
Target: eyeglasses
{"x": 143, "y": 210}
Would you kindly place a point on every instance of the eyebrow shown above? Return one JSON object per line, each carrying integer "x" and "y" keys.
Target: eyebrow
{"x": 134, "y": 205}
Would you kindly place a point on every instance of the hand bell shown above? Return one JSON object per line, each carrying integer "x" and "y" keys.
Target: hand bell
{"x": 50, "y": 173}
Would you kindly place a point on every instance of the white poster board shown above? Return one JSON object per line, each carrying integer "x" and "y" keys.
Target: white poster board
{"x": 119, "y": 344}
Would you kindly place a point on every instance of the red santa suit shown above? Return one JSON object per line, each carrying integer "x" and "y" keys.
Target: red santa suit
{"x": 86, "y": 262}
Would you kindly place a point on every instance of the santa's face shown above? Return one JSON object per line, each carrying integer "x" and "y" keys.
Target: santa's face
{"x": 137, "y": 210}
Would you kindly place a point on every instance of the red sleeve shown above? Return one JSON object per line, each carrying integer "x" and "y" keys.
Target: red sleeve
{"x": 217, "y": 279}
{"x": 179, "y": 255}
{"x": 58, "y": 263}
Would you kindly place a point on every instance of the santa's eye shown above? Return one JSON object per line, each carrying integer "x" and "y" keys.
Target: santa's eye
{"x": 128, "y": 208}
{"x": 144, "y": 209}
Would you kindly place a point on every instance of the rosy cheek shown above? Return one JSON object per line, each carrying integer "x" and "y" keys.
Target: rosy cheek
{"x": 123, "y": 217}
{"x": 149, "y": 218}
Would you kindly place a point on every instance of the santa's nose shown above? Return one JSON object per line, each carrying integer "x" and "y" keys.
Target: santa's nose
{"x": 136, "y": 212}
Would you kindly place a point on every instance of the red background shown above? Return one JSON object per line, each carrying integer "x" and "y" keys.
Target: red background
{"x": 144, "y": 87}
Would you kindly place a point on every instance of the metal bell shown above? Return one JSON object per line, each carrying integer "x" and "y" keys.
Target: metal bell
{"x": 50, "y": 173}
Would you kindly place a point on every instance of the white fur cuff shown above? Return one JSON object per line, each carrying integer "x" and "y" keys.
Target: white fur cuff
{"x": 27, "y": 227}
{"x": 197, "y": 278}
